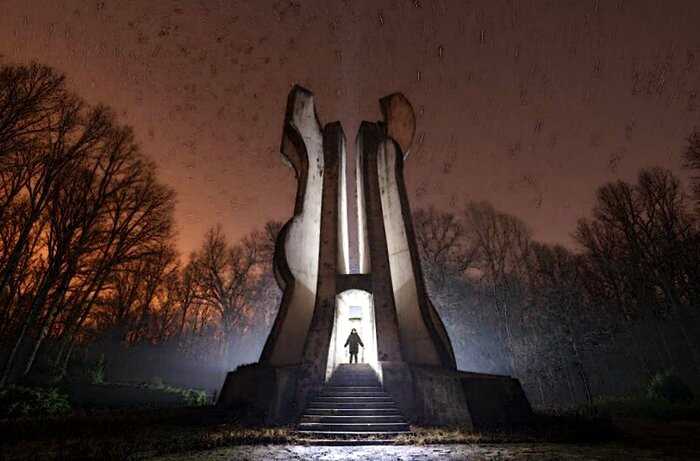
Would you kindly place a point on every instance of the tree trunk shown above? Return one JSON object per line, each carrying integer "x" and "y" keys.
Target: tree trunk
{"x": 572, "y": 390}
{"x": 582, "y": 371}
{"x": 66, "y": 360}
{"x": 50, "y": 318}
{"x": 689, "y": 345}
{"x": 37, "y": 303}
{"x": 539, "y": 386}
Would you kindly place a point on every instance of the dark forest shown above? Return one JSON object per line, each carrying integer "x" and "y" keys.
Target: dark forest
{"x": 105, "y": 322}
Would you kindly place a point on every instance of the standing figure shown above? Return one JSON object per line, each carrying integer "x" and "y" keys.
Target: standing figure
{"x": 353, "y": 341}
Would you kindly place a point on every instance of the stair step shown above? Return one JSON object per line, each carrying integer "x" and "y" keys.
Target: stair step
{"x": 354, "y": 427}
{"x": 333, "y": 440}
{"x": 352, "y": 394}
{"x": 351, "y": 433}
{"x": 352, "y": 419}
{"x": 354, "y": 371}
{"x": 367, "y": 400}
{"x": 354, "y": 383}
{"x": 340, "y": 405}
{"x": 346, "y": 389}
{"x": 368, "y": 377}
{"x": 353, "y": 388}
{"x": 352, "y": 411}
{"x": 381, "y": 395}
{"x": 352, "y": 406}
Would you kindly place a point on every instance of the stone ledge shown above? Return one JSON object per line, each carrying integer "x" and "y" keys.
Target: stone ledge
{"x": 436, "y": 396}
{"x": 264, "y": 393}
{"x": 426, "y": 395}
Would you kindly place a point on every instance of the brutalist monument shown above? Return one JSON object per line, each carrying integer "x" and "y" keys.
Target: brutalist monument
{"x": 405, "y": 341}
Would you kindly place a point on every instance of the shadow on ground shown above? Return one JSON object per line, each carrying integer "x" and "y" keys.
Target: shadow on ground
{"x": 434, "y": 452}
{"x": 205, "y": 433}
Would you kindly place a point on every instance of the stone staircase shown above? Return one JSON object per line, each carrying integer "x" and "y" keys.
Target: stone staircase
{"x": 353, "y": 407}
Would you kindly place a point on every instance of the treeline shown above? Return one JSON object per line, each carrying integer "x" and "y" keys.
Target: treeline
{"x": 88, "y": 267}
{"x": 601, "y": 319}
{"x": 87, "y": 250}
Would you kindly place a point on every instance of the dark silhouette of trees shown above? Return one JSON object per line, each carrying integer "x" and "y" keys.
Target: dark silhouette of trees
{"x": 227, "y": 277}
{"x": 87, "y": 246}
{"x": 502, "y": 243}
{"x": 78, "y": 203}
{"x": 642, "y": 253}
{"x": 692, "y": 162}
{"x": 444, "y": 244}
{"x": 623, "y": 305}
{"x": 88, "y": 266}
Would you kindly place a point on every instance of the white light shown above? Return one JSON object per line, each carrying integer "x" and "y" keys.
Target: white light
{"x": 354, "y": 309}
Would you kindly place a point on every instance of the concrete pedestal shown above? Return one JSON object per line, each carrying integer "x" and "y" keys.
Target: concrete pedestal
{"x": 312, "y": 262}
{"x": 263, "y": 394}
{"x": 435, "y": 396}
{"x": 430, "y": 396}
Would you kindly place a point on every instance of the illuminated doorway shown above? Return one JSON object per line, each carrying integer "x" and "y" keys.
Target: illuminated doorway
{"x": 353, "y": 309}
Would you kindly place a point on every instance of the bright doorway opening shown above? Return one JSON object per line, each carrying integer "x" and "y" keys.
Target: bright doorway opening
{"x": 353, "y": 309}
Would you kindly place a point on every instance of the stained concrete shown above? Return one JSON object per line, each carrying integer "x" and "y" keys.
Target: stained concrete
{"x": 414, "y": 358}
{"x": 302, "y": 146}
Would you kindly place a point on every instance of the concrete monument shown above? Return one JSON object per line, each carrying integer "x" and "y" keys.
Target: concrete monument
{"x": 406, "y": 344}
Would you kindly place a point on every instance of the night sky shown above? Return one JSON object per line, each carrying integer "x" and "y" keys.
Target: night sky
{"x": 528, "y": 104}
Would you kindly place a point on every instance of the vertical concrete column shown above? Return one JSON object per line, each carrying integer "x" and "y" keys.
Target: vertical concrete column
{"x": 319, "y": 334}
{"x": 298, "y": 245}
{"x": 364, "y": 264}
{"x": 426, "y": 340}
{"x": 419, "y": 324}
{"x": 371, "y": 217}
{"x": 343, "y": 221}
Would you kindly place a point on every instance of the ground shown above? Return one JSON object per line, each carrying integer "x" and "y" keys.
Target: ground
{"x": 204, "y": 434}
{"x": 436, "y": 452}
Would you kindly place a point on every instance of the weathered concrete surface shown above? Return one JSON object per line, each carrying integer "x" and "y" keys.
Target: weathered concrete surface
{"x": 417, "y": 344}
{"x": 400, "y": 120}
{"x": 268, "y": 393}
{"x": 405, "y": 317}
{"x": 298, "y": 265}
{"x": 435, "y": 396}
{"x": 309, "y": 250}
{"x": 416, "y": 360}
{"x": 495, "y": 401}
{"x": 482, "y": 452}
{"x": 318, "y": 336}
{"x": 372, "y": 229}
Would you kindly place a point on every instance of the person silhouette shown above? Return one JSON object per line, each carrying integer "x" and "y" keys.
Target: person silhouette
{"x": 353, "y": 341}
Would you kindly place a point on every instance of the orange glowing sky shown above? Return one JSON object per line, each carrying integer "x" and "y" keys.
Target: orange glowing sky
{"x": 528, "y": 104}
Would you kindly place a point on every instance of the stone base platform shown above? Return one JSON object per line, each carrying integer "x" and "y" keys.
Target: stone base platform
{"x": 264, "y": 394}
{"x": 432, "y": 396}
{"x": 429, "y": 396}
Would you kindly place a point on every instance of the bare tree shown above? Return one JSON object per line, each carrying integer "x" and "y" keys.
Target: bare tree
{"x": 445, "y": 246}
{"x": 642, "y": 251}
{"x": 692, "y": 162}
{"x": 502, "y": 243}
{"x": 77, "y": 200}
{"x": 564, "y": 321}
{"x": 227, "y": 275}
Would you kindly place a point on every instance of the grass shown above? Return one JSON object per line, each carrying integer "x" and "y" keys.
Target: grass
{"x": 193, "y": 397}
{"x": 545, "y": 428}
{"x": 642, "y": 407}
{"x": 134, "y": 434}
{"x": 129, "y": 434}
{"x": 32, "y": 401}
{"x": 139, "y": 434}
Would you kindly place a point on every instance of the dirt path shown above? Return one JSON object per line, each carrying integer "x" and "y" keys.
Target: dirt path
{"x": 435, "y": 452}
